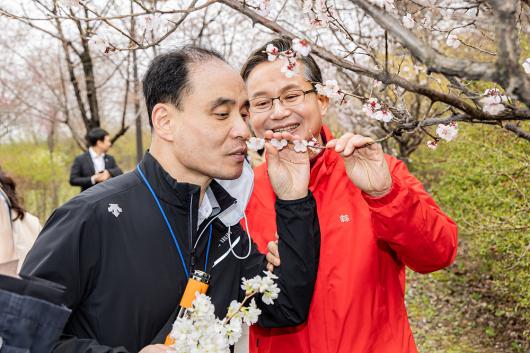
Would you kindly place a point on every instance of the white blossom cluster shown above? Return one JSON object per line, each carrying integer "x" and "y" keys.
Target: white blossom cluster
{"x": 201, "y": 331}
{"x": 447, "y": 132}
{"x": 493, "y": 101}
{"x": 377, "y": 111}
{"x": 256, "y": 143}
{"x": 330, "y": 89}
{"x": 264, "y": 285}
{"x": 290, "y": 67}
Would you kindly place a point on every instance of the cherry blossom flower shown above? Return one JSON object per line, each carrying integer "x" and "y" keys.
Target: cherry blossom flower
{"x": 279, "y": 144}
{"x": 251, "y": 313}
{"x": 452, "y": 41}
{"x": 447, "y": 132}
{"x": 372, "y": 105}
{"x": 408, "y": 21}
{"x": 272, "y": 52}
{"x": 300, "y": 145}
{"x": 493, "y": 101}
{"x": 330, "y": 89}
{"x": 376, "y": 111}
{"x": 383, "y": 115}
{"x": 255, "y": 143}
{"x": 289, "y": 68}
{"x": 234, "y": 330}
{"x": 526, "y": 66}
{"x": 301, "y": 46}
{"x": 432, "y": 144}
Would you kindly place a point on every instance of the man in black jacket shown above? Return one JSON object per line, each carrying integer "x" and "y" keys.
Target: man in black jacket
{"x": 125, "y": 248}
{"x": 94, "y": 166}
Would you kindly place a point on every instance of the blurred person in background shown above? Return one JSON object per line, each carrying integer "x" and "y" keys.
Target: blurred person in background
{"x": 18, "y": 228}
{"x": 95, "y": 165}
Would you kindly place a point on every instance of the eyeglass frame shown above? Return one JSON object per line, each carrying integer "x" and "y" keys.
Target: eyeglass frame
{"x": 312, "y": 90}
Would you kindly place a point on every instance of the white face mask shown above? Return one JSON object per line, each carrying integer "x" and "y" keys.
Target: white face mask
{"x": 240, "y": 189}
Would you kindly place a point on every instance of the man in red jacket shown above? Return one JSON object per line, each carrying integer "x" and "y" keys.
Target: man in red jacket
{"x": 375, "y": 218}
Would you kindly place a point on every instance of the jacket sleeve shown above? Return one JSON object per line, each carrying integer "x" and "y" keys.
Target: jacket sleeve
{"x": 412, "y": 224}
{"x": 113, "y": 168}
{"x": 76, "y": 179}
{"x": 67, "y": 253}
{"x": 299, "y": 246}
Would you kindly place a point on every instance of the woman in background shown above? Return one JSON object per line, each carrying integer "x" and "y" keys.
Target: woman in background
{"x": 18, "y": 228}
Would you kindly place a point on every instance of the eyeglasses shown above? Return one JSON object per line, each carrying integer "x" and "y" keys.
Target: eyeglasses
{"x": 288, "y": 99}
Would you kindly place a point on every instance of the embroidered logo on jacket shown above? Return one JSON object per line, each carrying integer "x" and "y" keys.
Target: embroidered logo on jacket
{"x": 115, "y": 209}
{"x": 344, "y": 218}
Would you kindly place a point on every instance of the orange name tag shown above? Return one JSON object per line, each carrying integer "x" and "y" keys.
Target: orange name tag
{"x": 188, "y": 297}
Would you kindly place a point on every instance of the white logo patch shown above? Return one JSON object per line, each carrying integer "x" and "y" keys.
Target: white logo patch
{"x": 115, "y": 209}
{"x": 344, "y": 218}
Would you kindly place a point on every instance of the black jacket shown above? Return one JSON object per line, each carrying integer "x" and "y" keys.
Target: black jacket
{"x": 123, "y": 274}
{"x": 83, "y": 169}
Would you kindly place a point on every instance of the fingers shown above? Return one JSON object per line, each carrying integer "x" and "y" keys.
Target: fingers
{"x": 348, "y": 143}
{"x": 272, "y": 246}
{"x": 273, "y": 256}
{"x": 269, "y": 134}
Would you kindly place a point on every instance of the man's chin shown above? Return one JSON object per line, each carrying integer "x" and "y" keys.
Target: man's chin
{"x": 232, "y": 174}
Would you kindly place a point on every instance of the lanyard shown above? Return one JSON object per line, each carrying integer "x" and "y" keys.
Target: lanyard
{"x": 186, "y": 271}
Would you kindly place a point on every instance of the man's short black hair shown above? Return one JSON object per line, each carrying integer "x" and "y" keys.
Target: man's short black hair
{"x": 167, "y": 79}
{"x": 94, "y": 135}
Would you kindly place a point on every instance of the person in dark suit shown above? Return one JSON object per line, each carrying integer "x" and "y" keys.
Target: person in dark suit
{"x": 94, "y": 166}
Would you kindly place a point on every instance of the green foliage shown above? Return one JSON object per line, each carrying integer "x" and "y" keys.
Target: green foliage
{"x": 482, "y": 180}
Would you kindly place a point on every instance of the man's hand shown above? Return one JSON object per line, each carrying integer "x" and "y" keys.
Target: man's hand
{"x": 156, "y": 348}
{"x": 273, "y": 255}
{"x": 105, "y": 175}
{"x": 102, "y": 176}
{"x": 366, "y": 166}
{"x": 288, "y": 170}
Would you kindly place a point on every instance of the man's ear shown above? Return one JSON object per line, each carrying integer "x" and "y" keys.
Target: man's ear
{"x": 161, "y": 119}
{"x": 323, "y": 104}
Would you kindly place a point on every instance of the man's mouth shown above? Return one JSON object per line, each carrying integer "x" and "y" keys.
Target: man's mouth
{"x": 288, "y": 128}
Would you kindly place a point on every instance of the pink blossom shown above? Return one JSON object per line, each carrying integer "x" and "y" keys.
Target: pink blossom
{"x": 447, "y": 132}
{"x": 301, "y": 46}
{"x": 432, "y": 144}
{"x": 272, "y": 52}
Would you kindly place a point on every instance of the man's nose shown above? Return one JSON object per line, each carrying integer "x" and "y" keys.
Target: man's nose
{"x": 278, "y": 110}
{"x": 241, "y": 130}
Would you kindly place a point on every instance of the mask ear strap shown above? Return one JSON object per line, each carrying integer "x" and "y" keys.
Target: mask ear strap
{"x": 249, "y": 241}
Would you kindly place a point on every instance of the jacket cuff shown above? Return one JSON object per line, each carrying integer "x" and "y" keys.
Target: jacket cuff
{"x": 386, "y": 199}
{"x": 281, "y": 202}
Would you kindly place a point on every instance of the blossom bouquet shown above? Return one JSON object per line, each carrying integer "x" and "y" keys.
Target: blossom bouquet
{"x": 201, "y": 331}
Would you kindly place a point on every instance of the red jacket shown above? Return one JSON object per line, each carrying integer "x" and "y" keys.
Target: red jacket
{"x": 358, "y": 303}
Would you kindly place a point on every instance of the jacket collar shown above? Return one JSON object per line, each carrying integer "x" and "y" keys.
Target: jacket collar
{"x": 175, "y": 193}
